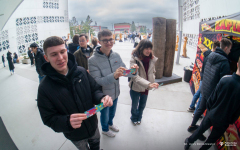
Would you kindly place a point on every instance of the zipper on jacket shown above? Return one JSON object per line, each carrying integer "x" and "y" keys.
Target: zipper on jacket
{"x": 112, "y": 72}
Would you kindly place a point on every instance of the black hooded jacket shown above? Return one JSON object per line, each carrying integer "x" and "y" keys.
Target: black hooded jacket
{"x": 39, "y": 61}
{"x": 216, "y": 67}
{"x": 224, "y": 105}
{"x": 60, "y": 96}
{"x": 73, "y": 47}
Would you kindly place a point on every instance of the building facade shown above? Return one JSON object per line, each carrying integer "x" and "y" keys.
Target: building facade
{"x": 34, "y": 21}
{"x": 196, "y": 10}
{"x": 122, "y": 27}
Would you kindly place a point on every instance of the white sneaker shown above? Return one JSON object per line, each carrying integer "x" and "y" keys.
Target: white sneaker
{"x": 109, "y": 133}
{"x": 114, "y": 128}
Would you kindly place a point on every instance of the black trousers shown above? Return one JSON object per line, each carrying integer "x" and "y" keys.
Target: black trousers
{"x": 31, "y": 59}
{"x": 217, "y": 131}
{"x": 200, "y": 111}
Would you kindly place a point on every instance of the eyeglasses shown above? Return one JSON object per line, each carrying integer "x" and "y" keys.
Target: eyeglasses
{"x": 105, "y": 41}
{"x": 82, "y": 41}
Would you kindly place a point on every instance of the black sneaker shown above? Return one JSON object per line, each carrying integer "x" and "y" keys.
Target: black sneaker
{"x": 191, "y": 129}
{"x": 202, "y": 138}
{"x": 186, "y": 144}
{"x": 191, "y": 109}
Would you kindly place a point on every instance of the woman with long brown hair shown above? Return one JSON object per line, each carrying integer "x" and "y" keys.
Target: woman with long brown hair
{"x": 144, "y": 80}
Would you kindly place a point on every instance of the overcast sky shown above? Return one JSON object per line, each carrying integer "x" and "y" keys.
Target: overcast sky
{"x": 106, "y": 12}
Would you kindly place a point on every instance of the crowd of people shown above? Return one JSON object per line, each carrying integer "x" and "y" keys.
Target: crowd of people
{"x": 75, "y": 77}
{"x": 218, "y": 93}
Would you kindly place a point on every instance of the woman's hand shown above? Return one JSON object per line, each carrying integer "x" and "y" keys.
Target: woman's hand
{"x": 153, "y": 85}
{"x": 136, "y": 67}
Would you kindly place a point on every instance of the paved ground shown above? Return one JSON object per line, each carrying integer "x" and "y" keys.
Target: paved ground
{"x": 164, "y": 124}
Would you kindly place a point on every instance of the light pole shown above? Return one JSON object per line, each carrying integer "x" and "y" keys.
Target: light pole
{"x": 179, "y": 29}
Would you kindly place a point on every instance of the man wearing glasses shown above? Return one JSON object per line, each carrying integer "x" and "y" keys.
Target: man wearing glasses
{"x": 84, "y": 52}
{"x": 106, "y": 67}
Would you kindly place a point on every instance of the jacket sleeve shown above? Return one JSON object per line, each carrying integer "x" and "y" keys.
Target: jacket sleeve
{"x": 123, "y": 65}
{"x": 50, "y": 116}
{"x": 137, "y": 79}
{"x": 96, "y": 90}
{"x": 214, "y": 96}
{"x": 225, "y": 69}
{"x": 95, "y": 72}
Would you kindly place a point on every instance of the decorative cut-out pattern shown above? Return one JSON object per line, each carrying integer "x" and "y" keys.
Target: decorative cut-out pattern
{"x": 4, "y": 41}
{"x": 191, "y": 10}
{"x": 51, "y": 4}
{"x": 192, "y": 39}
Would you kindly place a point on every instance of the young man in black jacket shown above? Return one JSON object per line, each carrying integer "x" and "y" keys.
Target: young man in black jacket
{"x": 39, "y": 60}
{"x": 66, "y": 93}
{"x": 216, "y": 67}
{"x": 223, "y": 108}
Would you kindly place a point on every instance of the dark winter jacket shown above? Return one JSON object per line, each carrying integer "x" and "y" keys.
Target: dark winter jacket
{"x": 216, "y": 67}
{"x": 204, "y": 61}
{"x": 60, "y": 96}
{"x": 3, "y": 59}
{"x": 73, "y": 47}
{"x": 10, "y": 62}
{"x": 81, "y": 58}
{"x": 39, "y": 61}
{"x": 30, "y": 55}
{"x": 224, "y": 104}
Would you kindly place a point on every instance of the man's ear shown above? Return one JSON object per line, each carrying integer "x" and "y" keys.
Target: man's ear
{"x": 45, "y": 57}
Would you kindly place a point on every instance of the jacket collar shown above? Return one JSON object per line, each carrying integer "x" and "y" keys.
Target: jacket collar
{"x": 221, "y": 52}
{"x": 101, "y": 53}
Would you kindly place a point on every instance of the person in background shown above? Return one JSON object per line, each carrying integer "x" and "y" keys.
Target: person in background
{"x": 74, "y": 46}
{"x": 106, "y": 67}
{"x": 94, "y": 42}
{"x": 66, "y": 44}
{"x": 198, "y": 93}
{"x": 144, "y": 80}
{"x": 10, "y": 62}
{"x": 3, "y": 60}
{"x": 216, "y": 67}
{"x": 84, "y": 52}
{"x": 30, "y": 55}
{"x": 39, "y": 60}
{"x": 66, "y": 93}
{"x": 137, "y": 40}
{"x": 223, "y": 108}
{"x": 15, "y": 57}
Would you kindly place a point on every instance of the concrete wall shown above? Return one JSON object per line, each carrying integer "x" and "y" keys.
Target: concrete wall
{"x": 34, "y": 21}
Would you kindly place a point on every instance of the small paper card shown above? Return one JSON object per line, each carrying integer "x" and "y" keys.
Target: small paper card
{"x": 94, "y": 110}
{"x": 126, "y": 72}
{"x": 158, "y": 86}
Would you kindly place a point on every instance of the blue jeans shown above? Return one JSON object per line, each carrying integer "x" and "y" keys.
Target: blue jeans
{"x": 196, "y": 96}
{"x": 14, "y": 60}
{"x": 138, "y": 104}
{"x": 107, "y": 115}
{"x": 40, "y": 78}
{"x": 4, "y": 64}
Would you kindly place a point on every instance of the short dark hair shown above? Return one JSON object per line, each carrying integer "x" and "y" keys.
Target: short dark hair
{"x": 94, "y": 41}
{"x": 104, "y": 32}
{"x": 138, "y": 51}
{"x": 83, "y": 35}
{"x": 34, "y": 45}
{"x": 216, "y": 44}
{"x": 225, "y": 43}
{"x": 76, "y": 39}
{"x": 52, "y": 41}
